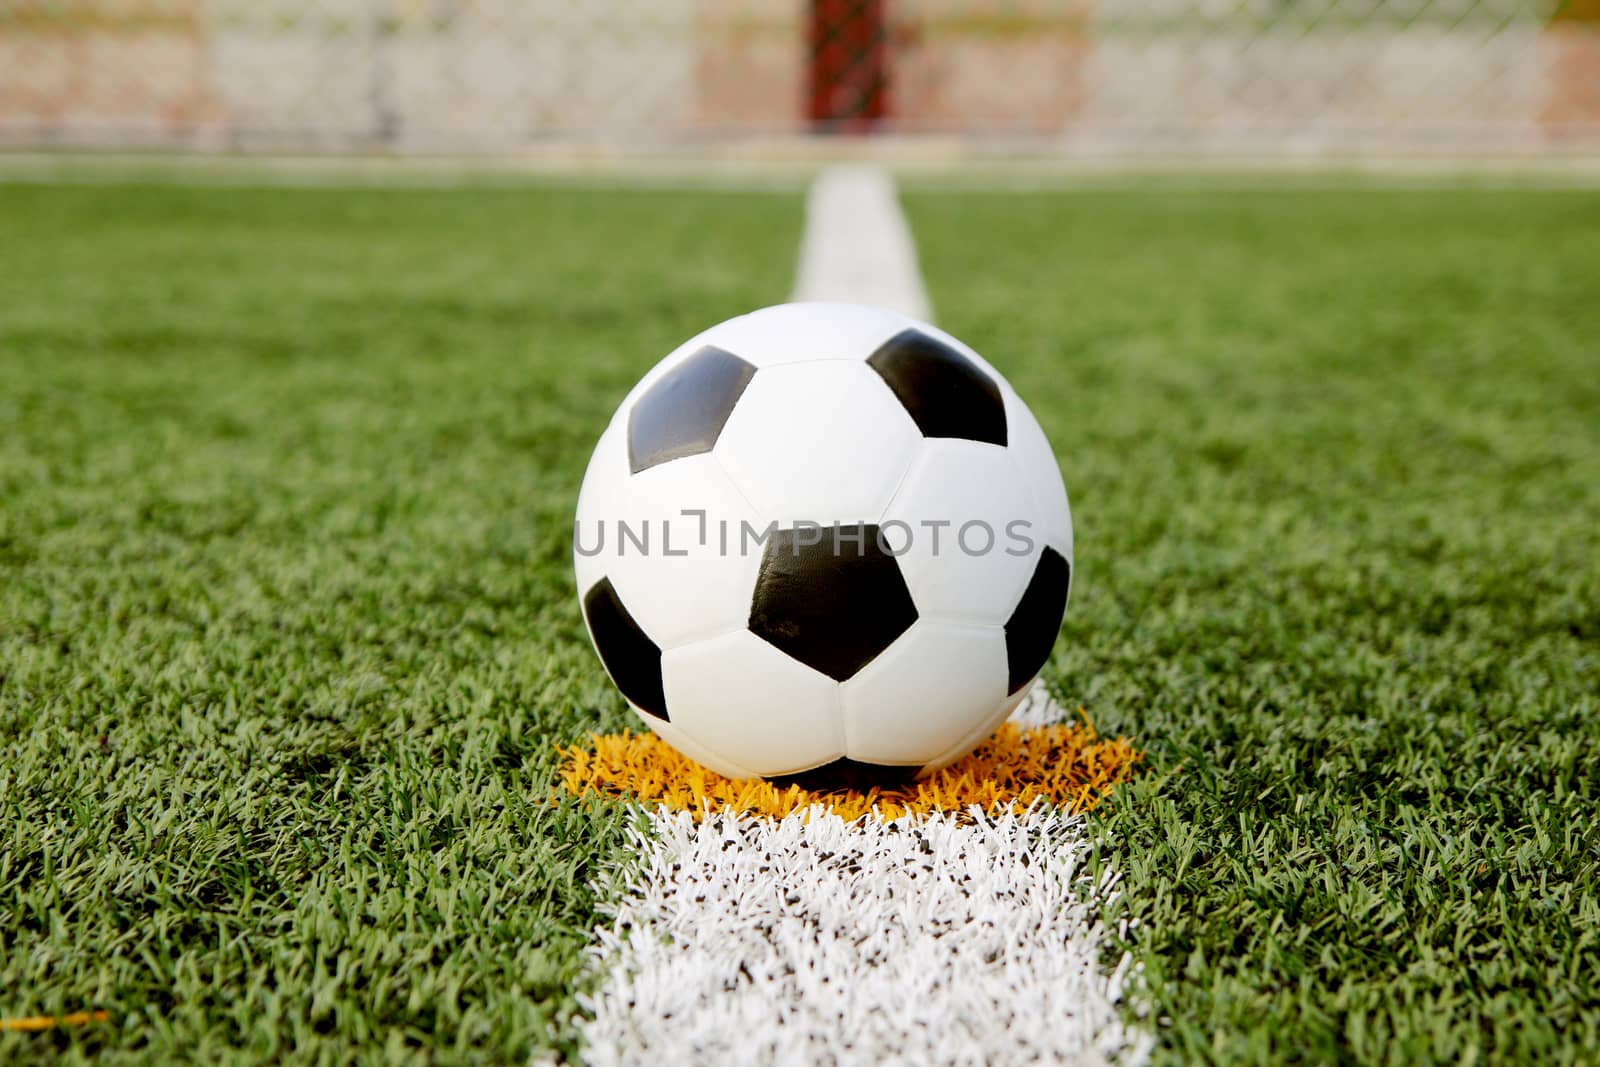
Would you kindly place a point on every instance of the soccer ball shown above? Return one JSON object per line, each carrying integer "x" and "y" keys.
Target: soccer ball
{"x": 823, "y": 534}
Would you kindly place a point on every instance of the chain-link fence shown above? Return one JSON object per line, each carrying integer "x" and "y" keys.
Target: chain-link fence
{"x": 1061, "y": 75}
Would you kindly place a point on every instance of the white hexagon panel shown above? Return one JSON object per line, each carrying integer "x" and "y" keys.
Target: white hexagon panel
{"x": 752, "y": 705}
{"x": 786, "y": 607}
{"x": 819, "y": 442}
{"x": 671, "y": 547}
{"x": 1036, "y": 467}
{"x": 969, "y": 529}
{"x": 916, "y": 701}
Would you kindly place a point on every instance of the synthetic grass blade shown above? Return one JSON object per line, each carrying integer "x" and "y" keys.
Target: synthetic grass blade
{"x": 37, "y": 1023}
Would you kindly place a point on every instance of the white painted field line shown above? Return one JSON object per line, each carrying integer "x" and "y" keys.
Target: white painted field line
{"x": 809, "y": 940}
{"x": 933, "y": 939}
{"x": 857, "y": 246}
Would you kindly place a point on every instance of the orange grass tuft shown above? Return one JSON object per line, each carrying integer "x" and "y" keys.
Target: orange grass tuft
{"x": 1067, "y": 765}
{"x": 38, "y": 1023}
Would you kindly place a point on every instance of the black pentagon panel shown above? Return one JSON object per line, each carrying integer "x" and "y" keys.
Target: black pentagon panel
{"x": 682, "y": 414}
{"x": 946, "y": 393}
{"x": 631, "y": 658}
{"x": 830, "y": 597}
{"x": 1031, "y": 630}
{"x": 848, "y": 775}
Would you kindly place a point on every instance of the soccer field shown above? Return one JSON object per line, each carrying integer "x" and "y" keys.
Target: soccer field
{"x": 288, "y": 634}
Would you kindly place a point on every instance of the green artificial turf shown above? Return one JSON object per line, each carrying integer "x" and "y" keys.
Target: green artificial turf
{"x": 287, "y": 632}
{"x": 287, "y": 629}
{"x": 1335, "y": 465}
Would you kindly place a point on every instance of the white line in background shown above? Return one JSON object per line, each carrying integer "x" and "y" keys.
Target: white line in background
{"x": 937, "y": 939}
{"x": 857, "y": 246}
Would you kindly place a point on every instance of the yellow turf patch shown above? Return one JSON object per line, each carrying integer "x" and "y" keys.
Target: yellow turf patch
{"x": 38, "y": 1023}
{"x": 1068, "y": 765}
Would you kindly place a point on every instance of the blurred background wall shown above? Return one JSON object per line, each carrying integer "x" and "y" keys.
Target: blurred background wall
{"x": 1056, "y": 76}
